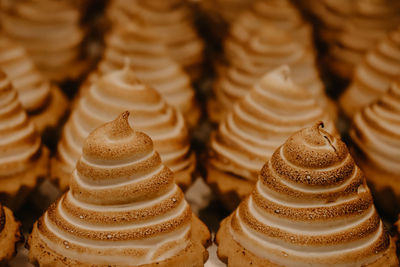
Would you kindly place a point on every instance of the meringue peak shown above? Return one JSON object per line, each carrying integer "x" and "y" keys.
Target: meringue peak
{"x": 128, "y": 73}
{"x": 281, "y": 76}
{"x": 117, "y": 141}
{"x": 314, "y": 148}
{"x": 120, "y": 128}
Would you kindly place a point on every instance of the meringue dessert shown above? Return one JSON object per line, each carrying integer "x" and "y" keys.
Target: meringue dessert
{"x": 273, "y": 110}
{"x": 10, "y": 235}
{"x": 123, "y": 209}
{"x": 109, "y": 96}
{"x": 375, "y": 136}
{"x": 152, "y": 64}
{"x": 266, "y": 50}
{"x": 171, "y": 20}
{"x": 44, "y": 102}
{"x": 372, "y": 77}
{"x": 280, "y": 13}
{"x": 51, "y": 32}
{"x": 351, "y": 28}
{"x": 23, "y": 159}
{"x": 311, "y": 206}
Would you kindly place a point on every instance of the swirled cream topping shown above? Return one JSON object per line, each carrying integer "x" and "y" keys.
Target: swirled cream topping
{"x": 20, "y": 146}
{"x": 171, "y": 21}
{"x": 376, "y": 131}
{"x": 48, "y": 29}
{"x": 311, "y": 207}
{"x": 273, "y": 110}
{"x": 33, "y": 89}
{"x": 110, "y": 95}
{"x": 123, "y": 207}
{"x": 280, "y": 13}
{"x": 268, "y": 49}
{"x": 374, "y": 74}
{"x": 151, "y": 63}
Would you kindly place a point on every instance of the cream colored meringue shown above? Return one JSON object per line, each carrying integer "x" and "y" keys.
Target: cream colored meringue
{"x": 23, "y": 160}
{"x": 273, "y": 110}
{"x": 280, "y": 13}
{"x": 170, "y": 20}
{"x": 123, "y": 208}
{"x": 376, "y": 132}
{"x": 50, "y": 31}
{"x": 267, "y": 49}
{"x": 110, "y": 95}
{"x": 44, "y": 103}
{"x": 151, "y": 63}
{"x": 311, "y": 207}
{"x": 372, "y": 77}
{"x": 351, "y": 28}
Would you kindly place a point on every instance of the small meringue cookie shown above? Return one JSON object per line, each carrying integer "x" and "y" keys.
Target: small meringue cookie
{"x": 171, "y": 20}
{"x": 123, "y": 209}
{"x": 273, "y": 110}
{"x": 110, "y": 95}
{"x": 373, "y": 76}
{"x": 311, "y": 207}
{"x": 24, "y": 161}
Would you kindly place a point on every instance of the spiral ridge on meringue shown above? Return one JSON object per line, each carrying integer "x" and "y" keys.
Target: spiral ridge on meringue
{"x": 20, "y": 145}
{"x": 372, "y": 77}
{"x": 110, "y": 95}
{"x": 50, "y": 31}
{"x": 123, "y": 206}
{"x": 376, "y": 132}
{"x": 151, "y": 63}
{"x": 280, "y": 13}
{"x": 33, "y": 90}
{"x": 266, "y": 50}
{"x": 273, "y": 110}
{"x": 351, "y": 28}
{"x": 311, "y": 207}
{"x": 44, "y": 103}
{"x": 171, "y": 20}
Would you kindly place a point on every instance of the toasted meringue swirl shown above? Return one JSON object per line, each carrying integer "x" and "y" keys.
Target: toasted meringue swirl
{"x": 48, "y": 29}
{"x": 351, "y": 28}
{"x": 33, "y": 90}
{"x": 109, "y": 96}
{"x": 269, "y": 48}
{"x": 311, "y": 207}
{"x": 374, "y": 74}
{"x": 376, "y": 132}
{"x": 259, "y": 123}
{"x": 170, "y": 20}
{"x": 123, "y": 207}
{"x": 280, "y": 13}
{"x": 20, "y": 146}
{"x": 151, "y": 63}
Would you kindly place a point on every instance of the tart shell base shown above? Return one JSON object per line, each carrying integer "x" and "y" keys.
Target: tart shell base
{"x": 234, "y": 255}
{"x": 195, "y": 255}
